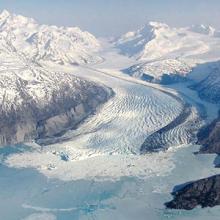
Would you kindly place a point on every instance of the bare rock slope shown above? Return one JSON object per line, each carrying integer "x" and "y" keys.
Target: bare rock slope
{"x": 34, "y": 102}
{"x": 45, "y": 105}
{"x": 204, "y": 193}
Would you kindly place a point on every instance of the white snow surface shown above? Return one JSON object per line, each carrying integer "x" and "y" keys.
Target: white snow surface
{"x": 23, "y": 44}
{"x": 17, "y": 74}
{"x": 160, "y": 49}
{"x": 51, "y": 43}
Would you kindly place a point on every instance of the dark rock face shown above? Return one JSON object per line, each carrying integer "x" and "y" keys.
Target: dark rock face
{"x": 147, "y": 78}
{"x": 166, "y": 79}
{"x": 69, "y": 100}
{"x": 209, "y": 88}
{"x": 209, "y": 138}
{"x": 204, "y": 193}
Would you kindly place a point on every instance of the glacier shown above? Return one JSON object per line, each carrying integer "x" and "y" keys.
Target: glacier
{"x": 96, "y": 170}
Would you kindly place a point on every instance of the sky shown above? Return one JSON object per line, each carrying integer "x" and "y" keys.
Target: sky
{"x": 105, "y": 18}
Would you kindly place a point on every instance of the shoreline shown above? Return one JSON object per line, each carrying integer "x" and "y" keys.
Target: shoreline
{"x": 201, "y": 192}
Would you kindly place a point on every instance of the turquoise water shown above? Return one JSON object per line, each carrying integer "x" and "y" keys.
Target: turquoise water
{"x": 25, "y": 191}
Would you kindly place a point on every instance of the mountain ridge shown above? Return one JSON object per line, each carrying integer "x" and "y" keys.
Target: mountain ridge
{"x": 38, "y": 42}
{"x": 36, "y": 102}
{"x": 161, "y": 50}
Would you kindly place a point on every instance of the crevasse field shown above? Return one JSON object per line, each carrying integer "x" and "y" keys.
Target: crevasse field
{"x": 96, "y": 171}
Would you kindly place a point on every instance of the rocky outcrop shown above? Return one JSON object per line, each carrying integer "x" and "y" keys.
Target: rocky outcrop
{"x": 204, "y": 193}
{"x": 162, "y": 72}
{"x": 46, "y": 105}
{"x": 209, "y": 87}
{"x": 209, "y": 137}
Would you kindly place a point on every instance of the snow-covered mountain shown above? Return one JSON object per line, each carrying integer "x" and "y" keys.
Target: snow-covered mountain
{"x": 166, "y": 54}
{"x": 205, "y": 29}
{"x": 48, "y": 43}
{"x": 36, "y": 102}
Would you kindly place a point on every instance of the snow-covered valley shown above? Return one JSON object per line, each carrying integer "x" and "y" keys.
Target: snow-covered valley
{"x": 97, "y": 170}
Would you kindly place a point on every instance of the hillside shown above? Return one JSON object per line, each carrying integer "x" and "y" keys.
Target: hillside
{"x": 165, "y": 54}
{"x": 36, "y": 102}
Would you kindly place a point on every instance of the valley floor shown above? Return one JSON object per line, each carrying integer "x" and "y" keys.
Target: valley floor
{"x": 97, "y": 171}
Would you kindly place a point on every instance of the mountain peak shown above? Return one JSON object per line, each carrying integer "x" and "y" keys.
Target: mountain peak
{"x": 4, "y": 14}
{"x": 203, "y": 29}
{"x": 152, "y": 27}
{"x": 48, "y": 43}
{"x": 156, "y": 24}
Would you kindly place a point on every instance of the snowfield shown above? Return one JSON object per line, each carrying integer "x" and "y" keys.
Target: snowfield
{"x": 42, "y": 42}
{"x": 162, "y": 51}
